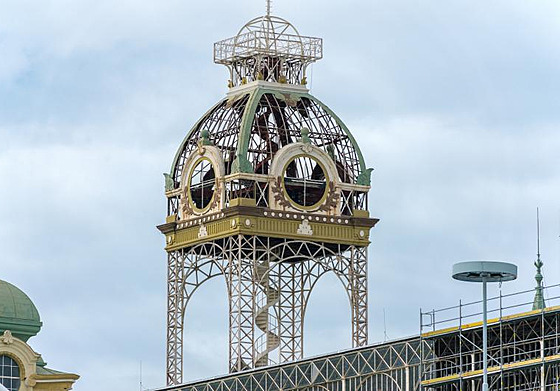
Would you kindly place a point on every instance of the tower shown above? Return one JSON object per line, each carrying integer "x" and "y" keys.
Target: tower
{"x": 269, "y": 190}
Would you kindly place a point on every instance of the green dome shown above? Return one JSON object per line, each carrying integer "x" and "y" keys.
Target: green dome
{"x": 17, "y": 312}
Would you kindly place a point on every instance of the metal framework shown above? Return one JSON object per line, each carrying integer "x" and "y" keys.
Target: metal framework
{"x": 524, "y": 351}
{"x": 390, "y": 366}
{"x": 269, "y": 190}
{"x": 272, "y": 122}
{"x": 269, "y": 282}
{"x": 272, "y": 230}
{"x": 268, "y": 48}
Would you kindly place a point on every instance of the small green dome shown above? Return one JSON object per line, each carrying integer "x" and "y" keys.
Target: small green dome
{"x": 17, "y": 312}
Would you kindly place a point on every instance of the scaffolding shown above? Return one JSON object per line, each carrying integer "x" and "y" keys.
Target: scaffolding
{"x": 523, "y": 347}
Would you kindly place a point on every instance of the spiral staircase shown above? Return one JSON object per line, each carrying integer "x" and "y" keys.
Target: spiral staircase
{"x": 265, "y": 317}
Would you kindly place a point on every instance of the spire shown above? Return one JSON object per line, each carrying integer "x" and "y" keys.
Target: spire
{"x": 538, "y": 302}
{"x": 268, "y": 8}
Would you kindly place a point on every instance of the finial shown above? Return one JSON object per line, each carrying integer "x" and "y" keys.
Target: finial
{"x": 330, "y": 151}
{"x": 267, "y": 7}
{"x": 538, "y": 302}
{"x": 205, "y": 137}
{"x": 169, "y": 182}
{"x": 364, "y": 178}
{"x": 305, "y": 136}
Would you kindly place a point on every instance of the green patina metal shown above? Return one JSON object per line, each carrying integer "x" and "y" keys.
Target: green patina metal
{"x": 205, "y": 137}
{"x": 364, "y": 178}
{"x": 305, "y": 136}
{"x": 17, "y": 312}
{"x": 241, "y": 164}
{"x": 538, "y": 302}
{"x": 169, "y": 182}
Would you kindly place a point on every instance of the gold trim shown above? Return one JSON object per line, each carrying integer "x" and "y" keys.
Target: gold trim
{"x": 277, "y": 227}
{"x": 242, "y": 202}
{"x": 360, "y": 213}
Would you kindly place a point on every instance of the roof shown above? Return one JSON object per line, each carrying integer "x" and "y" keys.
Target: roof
{"x": 17, "y": 312}
{"x": 257, "y": 119}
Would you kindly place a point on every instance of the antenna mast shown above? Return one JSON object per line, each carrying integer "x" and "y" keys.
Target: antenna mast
{"x": 268, "y": 7}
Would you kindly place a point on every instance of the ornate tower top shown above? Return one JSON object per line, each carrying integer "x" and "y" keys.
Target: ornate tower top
{"x": 268, "y": 48}
{"x": 269, "y": 189}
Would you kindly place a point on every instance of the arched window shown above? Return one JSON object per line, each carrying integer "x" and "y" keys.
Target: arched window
{"x": 9, "y": 373}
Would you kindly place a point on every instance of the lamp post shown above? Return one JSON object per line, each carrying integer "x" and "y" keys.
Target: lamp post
{"x": 485, "y": 272}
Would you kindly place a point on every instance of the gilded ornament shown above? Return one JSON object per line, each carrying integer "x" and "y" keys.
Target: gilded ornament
{"x": 332, "y": 199}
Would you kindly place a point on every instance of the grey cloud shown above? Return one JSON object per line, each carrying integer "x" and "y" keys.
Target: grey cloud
{"x": 454, "y": 105}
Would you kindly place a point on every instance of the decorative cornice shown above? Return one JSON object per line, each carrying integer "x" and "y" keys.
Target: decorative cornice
{"x": 266, "y": 222}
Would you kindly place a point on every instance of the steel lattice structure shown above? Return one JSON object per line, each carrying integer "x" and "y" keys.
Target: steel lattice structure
{"x": 268, "y": 48}
{"x": 524, "y": 351}
{"x": 269, "y": 190}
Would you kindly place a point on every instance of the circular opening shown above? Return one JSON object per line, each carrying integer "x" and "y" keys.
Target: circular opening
{"x": 304, "y": 181}
{"x": 202, "y": 183}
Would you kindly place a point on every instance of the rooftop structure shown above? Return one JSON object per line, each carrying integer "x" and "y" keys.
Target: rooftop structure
{"x": 270, "y": 191}
{"x": 268, "y": 48}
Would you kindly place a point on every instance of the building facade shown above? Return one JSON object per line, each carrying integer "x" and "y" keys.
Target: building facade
{"x": 21, "y": 368}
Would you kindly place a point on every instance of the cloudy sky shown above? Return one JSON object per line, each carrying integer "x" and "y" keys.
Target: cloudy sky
{"x": 455, "y": 103}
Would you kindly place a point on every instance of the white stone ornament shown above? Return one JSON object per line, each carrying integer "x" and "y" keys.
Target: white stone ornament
{"x": 202, "y": 232}
{"x": 304, "y": 228}
{"x": 306, "y": 148}
{"x": 7, "y": 338}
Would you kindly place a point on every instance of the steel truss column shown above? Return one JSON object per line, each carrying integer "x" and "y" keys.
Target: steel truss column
{"x": 291, "y": 277}
{"x": 241, "y": 286}
{"x": 175, "y": 305}
{"x": 358, "y": 286}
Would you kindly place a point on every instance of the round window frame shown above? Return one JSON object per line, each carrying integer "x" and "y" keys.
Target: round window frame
{"x": 325, "y": 192}
{"x": 189, "y": 194}
{"x": 19, "y": 363}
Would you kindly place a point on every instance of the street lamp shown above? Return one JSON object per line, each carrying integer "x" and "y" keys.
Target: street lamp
{"x": 484, "y": 271}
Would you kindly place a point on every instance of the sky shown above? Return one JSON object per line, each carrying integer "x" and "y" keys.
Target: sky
{"x": 455, "y": 104}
